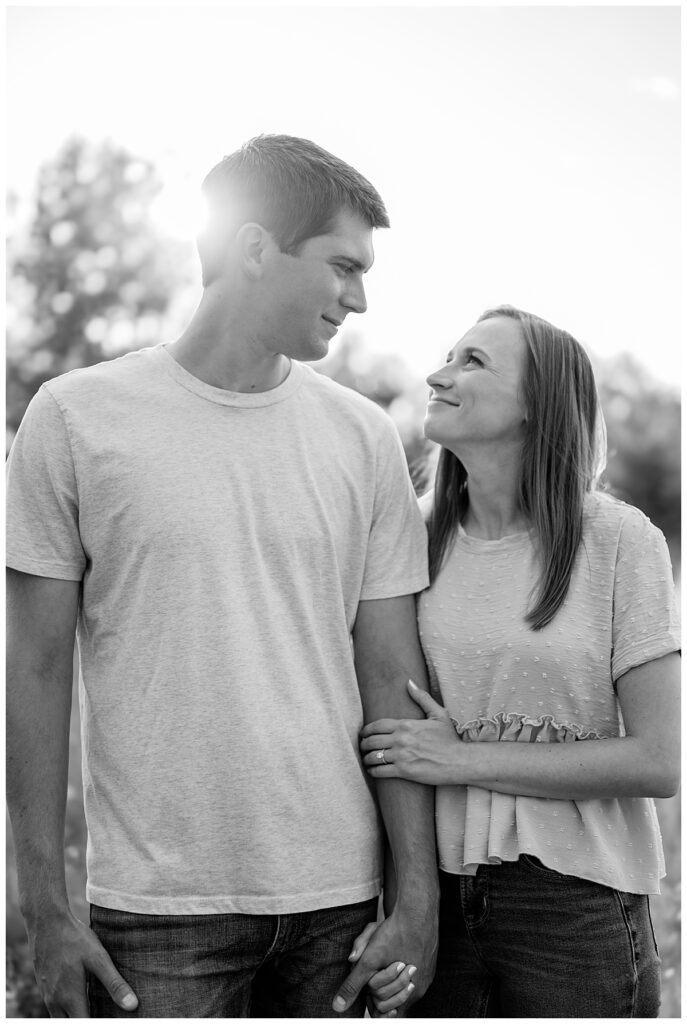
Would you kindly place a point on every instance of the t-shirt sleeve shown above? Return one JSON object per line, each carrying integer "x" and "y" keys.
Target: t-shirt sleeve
{"x": 396, "y": 561}
{"x": 645, "y": 618}
{"x": 42, "y": 500}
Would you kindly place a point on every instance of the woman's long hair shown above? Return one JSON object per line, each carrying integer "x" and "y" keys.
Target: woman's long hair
{"x": 563, "y": 456}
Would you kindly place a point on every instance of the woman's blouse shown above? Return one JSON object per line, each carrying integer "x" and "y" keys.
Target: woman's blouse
{"x": 502, "y": 681}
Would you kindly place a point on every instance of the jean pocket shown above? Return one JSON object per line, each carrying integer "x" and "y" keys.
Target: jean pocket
{"x": 530, "y": 861}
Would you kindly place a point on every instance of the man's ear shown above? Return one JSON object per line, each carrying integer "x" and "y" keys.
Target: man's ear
{"x": 253, "y": 245}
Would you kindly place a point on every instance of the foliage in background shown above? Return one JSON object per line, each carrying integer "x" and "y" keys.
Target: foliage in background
{"x": 643, "y": 421}
{"x": 92, "y": 276}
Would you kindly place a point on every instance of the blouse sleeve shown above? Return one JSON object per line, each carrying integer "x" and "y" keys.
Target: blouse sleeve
{"x": 645, "y": 617}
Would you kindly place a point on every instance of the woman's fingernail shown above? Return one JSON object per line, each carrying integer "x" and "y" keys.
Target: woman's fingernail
{"x": 411, "y": 970}
{"x": 411, "y": 987}
{"x": 399, "y": 968}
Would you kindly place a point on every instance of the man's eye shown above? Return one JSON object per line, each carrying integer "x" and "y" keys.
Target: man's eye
{"x": 472, "y": 358}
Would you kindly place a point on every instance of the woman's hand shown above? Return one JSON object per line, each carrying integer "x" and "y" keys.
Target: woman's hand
{"x": 422, "y": 750}
{"x": 389, "y": 989}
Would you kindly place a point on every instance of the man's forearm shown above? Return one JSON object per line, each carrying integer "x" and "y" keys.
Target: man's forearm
{"x": 37, "y": 760}
{"x": 407, "y": 810}
{"x": 387, "y": 654}
{"x": 41, "y": 621}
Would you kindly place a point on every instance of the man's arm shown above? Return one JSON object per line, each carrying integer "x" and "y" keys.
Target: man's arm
{"x": 41, "y": 623}
{"x": 387, "y": 654}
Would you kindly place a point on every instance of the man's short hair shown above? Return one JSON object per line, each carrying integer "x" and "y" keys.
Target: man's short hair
{"x": 290, "y": 186}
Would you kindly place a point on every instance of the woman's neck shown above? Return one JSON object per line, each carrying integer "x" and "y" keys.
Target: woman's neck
{"x": 493, "y": 501}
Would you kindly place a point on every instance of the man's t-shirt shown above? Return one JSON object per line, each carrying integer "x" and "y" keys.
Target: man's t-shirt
{"x": 224, "y": 541}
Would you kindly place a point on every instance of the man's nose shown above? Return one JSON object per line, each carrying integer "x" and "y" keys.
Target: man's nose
{"x": 354, "y": 297}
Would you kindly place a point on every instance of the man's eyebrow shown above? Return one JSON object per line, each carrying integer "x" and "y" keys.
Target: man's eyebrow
{"x": 354, "y": 263}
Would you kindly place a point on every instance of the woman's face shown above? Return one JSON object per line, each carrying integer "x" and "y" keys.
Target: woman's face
{"x": 477, "y": 396}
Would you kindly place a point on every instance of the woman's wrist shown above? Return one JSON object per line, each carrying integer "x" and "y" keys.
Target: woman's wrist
{"x": 467, "y": 766}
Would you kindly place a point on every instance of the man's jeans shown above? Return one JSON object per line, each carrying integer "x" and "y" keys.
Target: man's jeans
{"x": 520, "y": 940}
{"x": 230, "y": 965}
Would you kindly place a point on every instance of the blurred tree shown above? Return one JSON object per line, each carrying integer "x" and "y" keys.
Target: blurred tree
{"x": 91, "y": 274}
{"x": 643, "y": 424}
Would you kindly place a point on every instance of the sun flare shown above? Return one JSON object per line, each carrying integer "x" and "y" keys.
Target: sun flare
{"x": 179, "y": 210}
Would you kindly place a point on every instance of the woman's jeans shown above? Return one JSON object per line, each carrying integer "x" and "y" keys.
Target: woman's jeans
{"x": 520, "y": 940}
{"x": 230, "y": 965}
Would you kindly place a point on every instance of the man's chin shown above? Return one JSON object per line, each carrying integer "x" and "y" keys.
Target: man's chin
{"x": 314, "y": 352}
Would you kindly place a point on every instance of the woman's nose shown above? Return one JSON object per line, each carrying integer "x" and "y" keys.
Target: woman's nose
{"x": 437, "y": 380}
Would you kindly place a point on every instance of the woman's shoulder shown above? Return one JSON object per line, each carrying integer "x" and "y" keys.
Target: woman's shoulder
{"x": 609, "y": 520}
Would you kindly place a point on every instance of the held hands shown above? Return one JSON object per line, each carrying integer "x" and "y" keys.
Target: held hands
{"x": 375, "y": 953}
{"x": 424, "y": 751}
{"x": 390, "y": 989}
{"x": 63, "y": 951}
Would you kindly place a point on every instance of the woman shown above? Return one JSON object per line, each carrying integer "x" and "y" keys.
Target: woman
{"x": 551, "y": 640}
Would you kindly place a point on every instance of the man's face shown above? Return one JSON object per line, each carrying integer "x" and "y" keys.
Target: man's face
{"x": 306, "y": 298}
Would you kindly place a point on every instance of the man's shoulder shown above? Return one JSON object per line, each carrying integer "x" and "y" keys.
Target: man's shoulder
{"x": 111, "y": 374}
{"x": 357, "y": 405}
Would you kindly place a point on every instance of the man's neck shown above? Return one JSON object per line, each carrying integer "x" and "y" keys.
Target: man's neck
{"x": 217, "y": 348}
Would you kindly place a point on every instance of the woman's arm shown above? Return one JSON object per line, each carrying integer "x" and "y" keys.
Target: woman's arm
{"x": 645, "y": 762}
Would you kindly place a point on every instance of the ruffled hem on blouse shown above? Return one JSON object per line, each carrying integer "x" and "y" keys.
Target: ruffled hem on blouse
{"x": 516, "y": 727}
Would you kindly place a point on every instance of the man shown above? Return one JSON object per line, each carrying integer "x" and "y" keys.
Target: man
{"x": 216, "y": 520}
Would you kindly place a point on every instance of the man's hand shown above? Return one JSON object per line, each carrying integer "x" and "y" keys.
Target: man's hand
{"x": 63, "y": 951}
{"x": 388, "y": 990}
{"x": 404, "y": 937}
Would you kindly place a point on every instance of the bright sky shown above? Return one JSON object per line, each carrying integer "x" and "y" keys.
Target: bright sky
{"x": 526, "y": 154}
